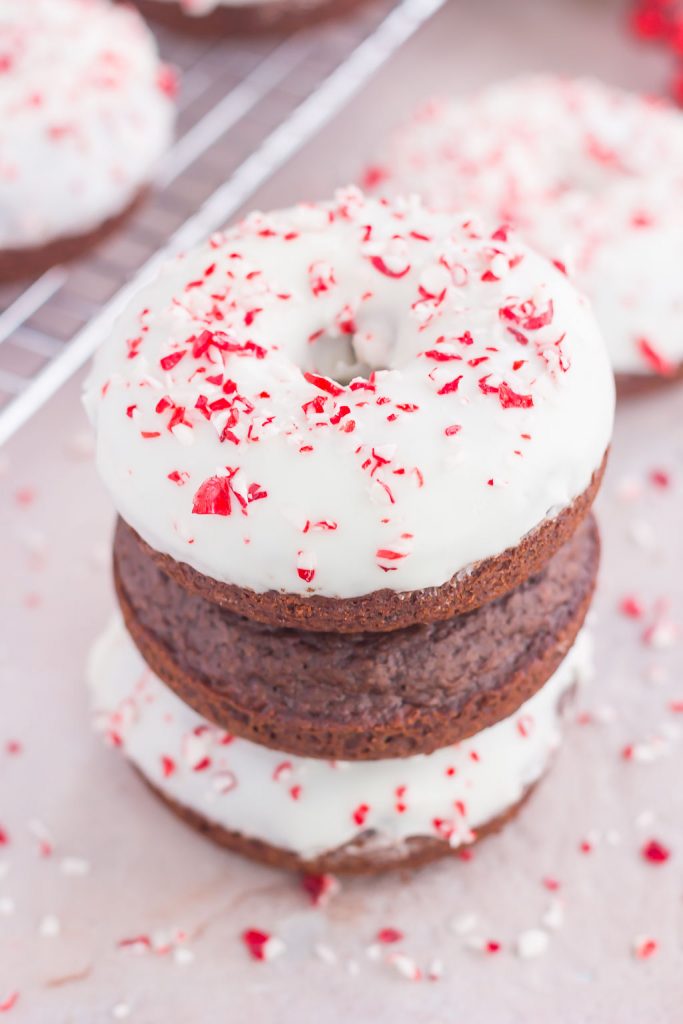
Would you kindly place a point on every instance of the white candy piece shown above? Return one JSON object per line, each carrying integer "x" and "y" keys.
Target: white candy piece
{"x": 532, "y": 943}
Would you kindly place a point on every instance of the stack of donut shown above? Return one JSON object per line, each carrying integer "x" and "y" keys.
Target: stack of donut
{"x": 353, "y": 447}
{"x": 590, "y": 174}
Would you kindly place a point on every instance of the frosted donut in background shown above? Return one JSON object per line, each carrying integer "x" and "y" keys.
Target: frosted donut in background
{"x": 590, "y": 174}
{"x": 86, "y": 113}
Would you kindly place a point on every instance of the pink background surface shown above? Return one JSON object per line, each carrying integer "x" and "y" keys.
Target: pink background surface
{"x": 120, "y": 866}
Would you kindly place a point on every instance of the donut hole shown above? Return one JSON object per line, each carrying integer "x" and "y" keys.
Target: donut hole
{"x": 343, "y": 357}
{"x": 337, "y": 358}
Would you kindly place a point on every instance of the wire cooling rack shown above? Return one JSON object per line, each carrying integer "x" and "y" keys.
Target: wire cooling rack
{"x": 246, "y": 107}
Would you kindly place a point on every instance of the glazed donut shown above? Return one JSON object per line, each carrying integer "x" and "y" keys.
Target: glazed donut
{"x": 591, "y": 175}
{"x": 318, "y": 814}
{"x": 340, "y": 413}
{"x": 86, "y": 111}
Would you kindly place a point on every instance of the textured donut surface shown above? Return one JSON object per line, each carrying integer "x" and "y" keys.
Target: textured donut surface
{"x": 363, "y": 695}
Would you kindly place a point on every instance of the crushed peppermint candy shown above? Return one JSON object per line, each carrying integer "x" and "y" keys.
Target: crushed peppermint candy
{"x": 644, "y": 947}
{"x": 405, "y": 966}
{"x": 8, "y": 1002}
{"x": 532, "y": 943}
{"x": 262, "y": 945}
{"x": 655, "y": 852}
{"x": 320, "y": 888}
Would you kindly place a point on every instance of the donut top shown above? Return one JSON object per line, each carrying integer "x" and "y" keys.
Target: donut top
{"x": 349, "y": 396}
{"x": 85, "y": 112}
{"x": 591, "y": 174}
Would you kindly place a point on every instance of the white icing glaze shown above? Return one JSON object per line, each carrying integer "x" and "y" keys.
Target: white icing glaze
{"x": 85, "y": 114}
{"x": 495, "y": 411}
{"x": 310, "y": 806}
{"x": 592, "y": 175}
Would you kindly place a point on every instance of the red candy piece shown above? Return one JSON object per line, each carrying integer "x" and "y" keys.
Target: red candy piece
{"x": 509, "y": 399}
{"x": 379, "y": 264}
{"x": 360, "y": 814}
{"x": 655, "y": 852}
{"x": 319, "y": 887}
{"x": 654, "y": 359}
{"x": 212, "y": 498}
{"x": 256, "y": 941}
{"x": 324, "y": 383}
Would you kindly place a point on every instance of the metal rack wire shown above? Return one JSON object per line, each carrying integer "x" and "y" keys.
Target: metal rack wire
{"x": 246, "y": 108}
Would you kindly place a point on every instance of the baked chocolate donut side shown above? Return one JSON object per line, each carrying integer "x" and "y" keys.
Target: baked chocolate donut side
{"x": 357, "y": 696}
